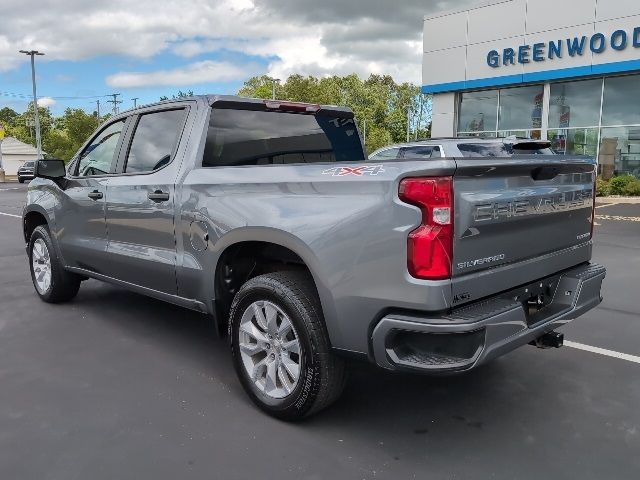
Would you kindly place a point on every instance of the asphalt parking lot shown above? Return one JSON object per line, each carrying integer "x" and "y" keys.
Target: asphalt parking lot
{"x": 116, "y": 385}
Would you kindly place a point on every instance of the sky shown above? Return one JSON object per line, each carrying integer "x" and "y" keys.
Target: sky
{"x": 150, "y": 48}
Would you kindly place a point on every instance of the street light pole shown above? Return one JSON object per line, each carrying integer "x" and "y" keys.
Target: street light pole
{"x": 273, "y": 87}
{"x": 32, "y": 54}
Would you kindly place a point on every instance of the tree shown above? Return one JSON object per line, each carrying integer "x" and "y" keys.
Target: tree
{"x": 7, "y": 116}
{"x": 70, "y": 131}
{"x": 180, "y": 94}
{"x": 381, "y": 106}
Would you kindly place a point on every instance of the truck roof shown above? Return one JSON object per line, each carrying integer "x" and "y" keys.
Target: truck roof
{"x": 230, "y": 101}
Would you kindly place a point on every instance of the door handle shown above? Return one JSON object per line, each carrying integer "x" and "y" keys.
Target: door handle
{"x": 95, "y": 195}
{"x": 158, "y": 196}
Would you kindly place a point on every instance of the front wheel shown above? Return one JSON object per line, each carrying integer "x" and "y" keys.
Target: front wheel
{"x": 20, "y": 180}
{"x": 52, "y": 282}
{"x": 280, "y": 346}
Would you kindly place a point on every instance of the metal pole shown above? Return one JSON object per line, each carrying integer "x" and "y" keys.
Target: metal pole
{"x": 135, "y": 102}
{"x": 408, "y": 121}
{"x": 273, "y": 87}
{"x": 32, "y": 54}
{"x": 98, "y": 108}
{"x": 419, "y": 115}
{"x": 2, "y": 177}
{"x": 364, "y": 132}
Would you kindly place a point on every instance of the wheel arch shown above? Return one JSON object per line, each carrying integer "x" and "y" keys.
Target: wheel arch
{"x": 33, "y": 217}
{"x": 273, "y": 248}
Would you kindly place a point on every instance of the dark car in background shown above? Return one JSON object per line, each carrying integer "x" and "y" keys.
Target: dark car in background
{"x": 26, "y": 171}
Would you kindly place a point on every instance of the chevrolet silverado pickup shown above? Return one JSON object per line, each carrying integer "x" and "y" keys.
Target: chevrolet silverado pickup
{"x": 268, "y": 217}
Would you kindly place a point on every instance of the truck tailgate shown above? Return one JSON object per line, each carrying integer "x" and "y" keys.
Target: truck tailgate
{"x": 517, "y": 209}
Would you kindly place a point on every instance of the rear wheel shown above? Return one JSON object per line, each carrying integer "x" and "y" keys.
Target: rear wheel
{"x": 280, "y": 346}
{"x": 52, "y": 282}
{"x": 20, "y": 180}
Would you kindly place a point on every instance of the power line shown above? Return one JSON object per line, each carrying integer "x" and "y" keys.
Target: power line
{"x": 26, "y": 96}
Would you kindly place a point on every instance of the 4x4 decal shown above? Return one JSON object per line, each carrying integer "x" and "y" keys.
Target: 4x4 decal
{"x": 357, "y": 171}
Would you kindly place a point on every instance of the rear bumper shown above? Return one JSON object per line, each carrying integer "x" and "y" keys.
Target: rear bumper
{"x": 474, "y": 334}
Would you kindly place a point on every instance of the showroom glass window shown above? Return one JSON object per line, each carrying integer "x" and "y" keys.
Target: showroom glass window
{"x": 574, "y": 115}
{"x": 620, "y": 135}
{"x": 521, "y": 108}
{"x": 575, "y": 104}
{"x": 478, "y": 111}
{"x": 621, "y": 101}
{"x": 574, "y": 141}
{"x": 623, "y": 144}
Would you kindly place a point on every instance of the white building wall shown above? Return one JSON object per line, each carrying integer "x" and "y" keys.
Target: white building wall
{"x": 444, "y": 115}
{"x": 456, "y": 45}
{"x": 11, "y": 163}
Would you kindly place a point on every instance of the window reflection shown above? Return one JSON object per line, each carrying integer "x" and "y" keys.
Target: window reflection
{"x": 578, "y": 141}
{"x": 621, "y": 102}
{"x": 521, "y": 108}
{"x": 623, "y": 144}
{"x": 575, "y": 104}
{"x": 478, "y": 111}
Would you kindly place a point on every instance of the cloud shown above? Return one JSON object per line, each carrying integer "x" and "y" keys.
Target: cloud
{"x": 192, "y": 74}
{"x": 45, "y": 102}
{"x": 292, "y": 36}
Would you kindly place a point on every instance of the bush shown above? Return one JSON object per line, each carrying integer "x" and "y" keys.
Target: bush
{"x": 602, "y": 188}
{"x": 617, "y": 185}
{"x": 632, "y": 189}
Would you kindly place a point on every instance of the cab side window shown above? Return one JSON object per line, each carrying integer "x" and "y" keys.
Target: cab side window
{"x": 154, "y": 141}
{"x": 97, "y": 157}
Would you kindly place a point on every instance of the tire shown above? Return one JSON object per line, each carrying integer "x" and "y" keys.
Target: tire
{"x": 62, "y": 285}
{"x": 20, "y": 180}
{"x": 321, "y": 374}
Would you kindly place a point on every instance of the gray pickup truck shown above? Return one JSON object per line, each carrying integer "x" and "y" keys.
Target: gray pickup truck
{"x": 267, "y": 216}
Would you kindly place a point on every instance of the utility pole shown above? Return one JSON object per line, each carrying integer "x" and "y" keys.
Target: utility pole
{"x": 32, "y": 54}
{"x": 98, "y": 109}
{"x": 135, "y": 102}
{"x": 115, "y": 102}
{"x": 408, "y": 121}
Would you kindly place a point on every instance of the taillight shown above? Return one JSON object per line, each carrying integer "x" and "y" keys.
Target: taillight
{"x": 430, "y": 246}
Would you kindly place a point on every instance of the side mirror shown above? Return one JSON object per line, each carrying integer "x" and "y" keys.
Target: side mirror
{"x": 53, "y": 169}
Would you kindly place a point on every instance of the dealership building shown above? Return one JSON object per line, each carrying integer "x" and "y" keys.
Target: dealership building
{"x": 563, "y": 70}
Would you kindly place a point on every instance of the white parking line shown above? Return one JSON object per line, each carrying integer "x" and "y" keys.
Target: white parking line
{"x": 603, "y": 351}
{"x": 10, "y": 215}
{"x": 607, "y": 205}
